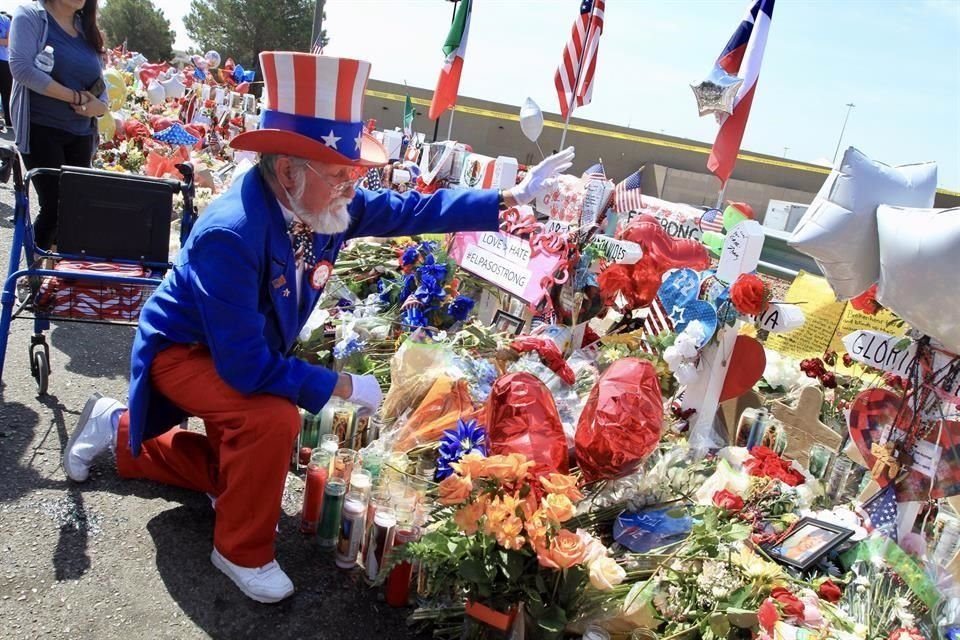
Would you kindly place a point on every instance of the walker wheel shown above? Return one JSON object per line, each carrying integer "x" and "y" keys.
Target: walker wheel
{"x": 40, "y": 369}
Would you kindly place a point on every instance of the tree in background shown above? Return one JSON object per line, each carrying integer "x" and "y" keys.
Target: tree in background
{"x": 241, "y": 29}
{"x": 141, "y": 24}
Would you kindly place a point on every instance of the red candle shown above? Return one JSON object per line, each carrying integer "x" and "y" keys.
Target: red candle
{"x": 313, "y": 498}
{"x": 398, "y": 582}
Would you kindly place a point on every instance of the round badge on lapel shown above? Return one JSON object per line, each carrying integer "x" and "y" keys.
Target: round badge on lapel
{"x": 321, "y": 273}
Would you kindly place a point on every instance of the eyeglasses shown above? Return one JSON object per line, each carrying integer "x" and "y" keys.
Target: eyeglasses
{"x": 355, "y": 173}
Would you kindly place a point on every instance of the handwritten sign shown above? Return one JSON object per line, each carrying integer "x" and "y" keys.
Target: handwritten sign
{"x": 827, "y": 321}
{"x": 505, "y": 261}
{"x": 619, "y": 251}
{"x": 879, "y": 350}
{"x": 595, "y": 198}
{"x": 780, "y": 317}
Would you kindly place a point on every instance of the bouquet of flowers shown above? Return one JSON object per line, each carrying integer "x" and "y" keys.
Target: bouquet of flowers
{"x": 502, "y": 543}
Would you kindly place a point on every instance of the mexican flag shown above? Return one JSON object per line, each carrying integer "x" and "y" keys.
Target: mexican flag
{"x": 454, "y": 49}
{"x": 408, "y": 115}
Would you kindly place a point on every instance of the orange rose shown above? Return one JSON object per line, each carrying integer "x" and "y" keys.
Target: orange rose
{"x": 565, "y": 551}
{"x": 508, "y": 533}
{"x": 498, "y": 510}
{"x": 523, "y": 465}
{"x": 530, "y": 505}
{"x": 468, "y": 517}
{"x": 502, "y": 468}
{"x": 455, "y": 490}
{"x": 537, "y": 528}
{"x": 558, "y": 507}
{"x": 471, "y": 465}
{"x": 562, "y": 484}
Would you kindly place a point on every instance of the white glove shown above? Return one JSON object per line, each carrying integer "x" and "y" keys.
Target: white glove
{"x": 366, "y": 393}
{"x": 542, "y": 177}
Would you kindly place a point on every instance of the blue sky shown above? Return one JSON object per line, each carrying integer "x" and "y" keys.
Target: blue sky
{"x": 898, "y": 61}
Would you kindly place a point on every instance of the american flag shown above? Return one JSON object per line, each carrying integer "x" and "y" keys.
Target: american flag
{"x": 595, "y": 172}
{"x": 712, "y": 220}
{"x": 656, "y": 322}
{"x": 627, "y": 194}
{"x": 880, "y": 512}
{"x": 574, "y": 77}
{"x": 317, "y": 48}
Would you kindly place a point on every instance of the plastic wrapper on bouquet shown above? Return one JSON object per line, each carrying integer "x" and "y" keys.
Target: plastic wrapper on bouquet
{"x": 521, "y": 417}
{"x": 621, "y": 422}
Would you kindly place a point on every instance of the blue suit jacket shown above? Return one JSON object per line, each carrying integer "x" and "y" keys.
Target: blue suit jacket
{"x": 221, "y": 292}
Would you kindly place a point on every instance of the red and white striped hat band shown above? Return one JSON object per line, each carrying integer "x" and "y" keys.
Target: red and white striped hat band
{"x": 320, "y": 97}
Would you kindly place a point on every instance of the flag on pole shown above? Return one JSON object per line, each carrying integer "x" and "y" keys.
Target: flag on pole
{"x": 595, "y": 172}
{"x": 574, "y": 77}
{"x": 627, "y": 194}
{"x": 408, "y": 114}
{"x": 454, "y": 48}
{"x": 741, "y": 57}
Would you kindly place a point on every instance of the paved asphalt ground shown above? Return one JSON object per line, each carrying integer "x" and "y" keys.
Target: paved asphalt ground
{"x": 131, "y": 559}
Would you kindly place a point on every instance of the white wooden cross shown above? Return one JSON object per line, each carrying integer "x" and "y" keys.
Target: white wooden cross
{"x": 741, "y": 254}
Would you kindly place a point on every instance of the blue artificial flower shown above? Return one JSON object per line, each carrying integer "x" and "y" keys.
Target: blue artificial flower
{"x": 429, "y": 246}
{"x": 345, "y": 348}
{"x": 343, "y": 303}
{"x": 468, "y": 437}
{"x": 952, "y": 633}
{"x": 430, "y": 268}
{"x": 383, "y": 288}
{"x": 409, "y": 256}
{"x": 460, "y": 308}
{"x": 428, "y": 290}
{"x": 409, "y": 284}
{"x": 413, "y": 317}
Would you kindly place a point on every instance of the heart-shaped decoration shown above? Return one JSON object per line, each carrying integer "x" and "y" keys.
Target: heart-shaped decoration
{"x": 872, "y": 415}
{"x": 678, "y": 296}
{"x": 748, "y": 361}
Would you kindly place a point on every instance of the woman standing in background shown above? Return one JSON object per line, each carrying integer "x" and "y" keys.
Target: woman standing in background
{"x": 56, "y": 97}
{"x": 6, "y": 80}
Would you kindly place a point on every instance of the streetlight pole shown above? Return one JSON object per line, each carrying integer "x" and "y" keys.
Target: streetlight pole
{"x": 850, "y": 107}
{"x": 785, "y": 149}
{"x": 317, "y": 25}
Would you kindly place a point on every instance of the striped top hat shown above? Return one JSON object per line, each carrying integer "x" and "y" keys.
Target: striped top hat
{"x": 313, "y": 109}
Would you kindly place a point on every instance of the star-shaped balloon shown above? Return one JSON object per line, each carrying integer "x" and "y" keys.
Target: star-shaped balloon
{"x": 717, "y": 92}
{"x": 239, "y": 75}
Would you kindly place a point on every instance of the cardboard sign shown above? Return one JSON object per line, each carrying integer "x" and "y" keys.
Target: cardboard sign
{"x": 879, "y": 350}
{"x": 780, "y": 317}
{"x": 505, "y": 261}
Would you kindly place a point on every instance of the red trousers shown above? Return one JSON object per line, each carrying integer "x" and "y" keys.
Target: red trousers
{"x": 242, "y": 459}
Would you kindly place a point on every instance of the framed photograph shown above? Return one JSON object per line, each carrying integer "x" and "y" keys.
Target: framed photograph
{"x": 507, "y": 322}
{"x": 806, "y": 543}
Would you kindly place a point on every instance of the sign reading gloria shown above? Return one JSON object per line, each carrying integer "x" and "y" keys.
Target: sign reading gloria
{"x": 881, "y": 351}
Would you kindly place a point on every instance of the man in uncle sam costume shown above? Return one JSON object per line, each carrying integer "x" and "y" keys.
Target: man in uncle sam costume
{"x": 214, "y": 339}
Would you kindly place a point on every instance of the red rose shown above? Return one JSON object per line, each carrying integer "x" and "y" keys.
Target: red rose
{"x": 765, "y": 463}
{"x": 749, "y": 295}
{"x": 903, "y": 633}
{"x": 727, "y": 500}
{"x": 829, "y": 591}
{"x": 847, "y": 360}
{"x": 828, "y": 380}
{"x": 866, "y": 302}
{"x": 789, "y": 603}
{"x": 768, "y": 615}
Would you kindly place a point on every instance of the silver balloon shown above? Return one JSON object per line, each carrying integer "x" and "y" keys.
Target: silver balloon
{"x": 213, "y": 59}
{"x": 531, "y": 120}
{"x": 717, "y": 92}
{"x": 919, "y": 262}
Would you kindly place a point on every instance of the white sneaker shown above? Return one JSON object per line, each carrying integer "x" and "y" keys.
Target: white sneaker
{"x": 266, "y": 584}
{"x": 95, "y": 433}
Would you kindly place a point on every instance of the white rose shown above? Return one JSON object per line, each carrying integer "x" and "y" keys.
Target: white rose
{"x": 686, "y": 373}
{"x": 673, "y": 357}
{"x": 595, "y": 548}
{"x": 605, "y": 574}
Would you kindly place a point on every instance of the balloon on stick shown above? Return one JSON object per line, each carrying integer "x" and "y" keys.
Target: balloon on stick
{"x": 531, "y": 122}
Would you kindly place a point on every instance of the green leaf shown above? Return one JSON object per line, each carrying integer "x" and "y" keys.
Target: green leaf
{"x": 473, "y": 570}
{"x": 719, "y": 624}
{"x": 738, "y": 597}
{"x": 742, "y": 618}
{"x": 903, "y": 344}
{"x": 553, "y": 619}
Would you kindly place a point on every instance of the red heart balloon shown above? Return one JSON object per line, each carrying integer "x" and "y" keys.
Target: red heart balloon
{"x": 873, "y": 413}
{"x": 747, "y": 363}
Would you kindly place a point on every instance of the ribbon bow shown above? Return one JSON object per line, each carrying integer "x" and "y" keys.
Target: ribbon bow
{"x": 302, "y": 237}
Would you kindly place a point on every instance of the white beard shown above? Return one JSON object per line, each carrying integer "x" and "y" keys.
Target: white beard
{"x": 333, "y": 221}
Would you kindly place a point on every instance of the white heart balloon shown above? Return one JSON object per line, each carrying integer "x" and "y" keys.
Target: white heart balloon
{"x": 919, "y": 263}
{"x": 155, "y": 93}
{"x": 531, "y": 120}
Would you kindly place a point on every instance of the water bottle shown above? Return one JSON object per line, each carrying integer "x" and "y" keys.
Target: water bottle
{"x": 44, "y": 59}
